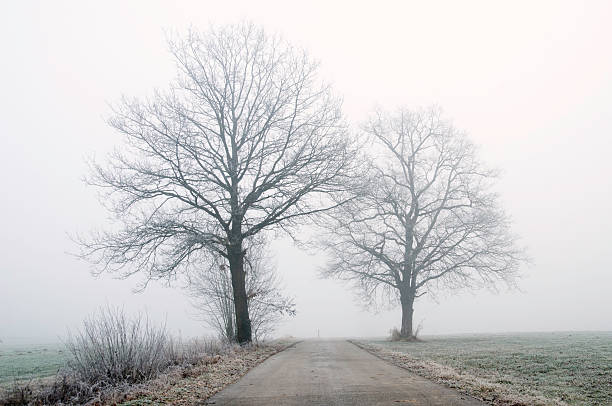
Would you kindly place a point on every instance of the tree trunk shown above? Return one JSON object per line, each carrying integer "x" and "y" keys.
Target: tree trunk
{"x": 407, "y": 300}
{"x": 243, "y": 323}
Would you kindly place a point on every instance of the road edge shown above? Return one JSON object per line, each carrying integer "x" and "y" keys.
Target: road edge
{"x": 391, "y": 361}
{"x": 478, "y": 388}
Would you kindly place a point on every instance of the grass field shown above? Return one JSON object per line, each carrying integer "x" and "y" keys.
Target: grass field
{"x": 25, "y": 360}
{"x": 575, "y": 368}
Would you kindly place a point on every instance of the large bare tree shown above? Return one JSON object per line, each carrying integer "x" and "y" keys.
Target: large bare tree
{"x": 428, "y": 218}
{"x": 247, "y": 139}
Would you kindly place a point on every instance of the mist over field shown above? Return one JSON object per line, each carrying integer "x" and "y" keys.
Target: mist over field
{"x": 296, "y": 203}
{"x": 529, "y": 83}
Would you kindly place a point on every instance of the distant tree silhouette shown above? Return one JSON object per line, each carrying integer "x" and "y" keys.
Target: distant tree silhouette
{"x": 428, "y": 218}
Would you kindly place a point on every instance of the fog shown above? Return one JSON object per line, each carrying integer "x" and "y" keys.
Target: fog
{"x": 529, "y": 81}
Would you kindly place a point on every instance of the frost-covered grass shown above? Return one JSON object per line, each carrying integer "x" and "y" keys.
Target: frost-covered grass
{"x": 572, "y": 367}
{"x": 202, "y": 368}
{"x": 21, "y": 360}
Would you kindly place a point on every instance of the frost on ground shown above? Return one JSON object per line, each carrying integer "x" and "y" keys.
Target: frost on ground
{"x": 522, "y": 369}
{"x": 183, "y": 384}
{"x": 28, "y": 361}
{"x": 189, "y": 386}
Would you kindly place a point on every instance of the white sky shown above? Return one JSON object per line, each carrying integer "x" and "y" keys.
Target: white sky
{"x": 530, "y": 81}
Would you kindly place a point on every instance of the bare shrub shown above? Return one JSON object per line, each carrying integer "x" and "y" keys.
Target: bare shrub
{"x": 112, "y": 349}
{"x": 64, "y": 389}
{"x": 20, "y": 393}
{"x": 111, "y": 356}
{"x": 417, "y": 332}
{"x": 395, "y": 334}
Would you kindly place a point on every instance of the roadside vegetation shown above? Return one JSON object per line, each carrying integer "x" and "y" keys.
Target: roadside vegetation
{"x": 514, "y": 369}
{"x": 115, "y": 359}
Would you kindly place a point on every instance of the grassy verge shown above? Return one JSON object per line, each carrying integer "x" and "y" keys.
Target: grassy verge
{"x": 194, "y": 385}
{"x": 520, "y": 369}
{"x": 185, "y": 384}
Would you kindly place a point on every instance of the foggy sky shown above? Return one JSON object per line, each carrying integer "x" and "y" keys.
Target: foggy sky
{"x": 531, "y": 82}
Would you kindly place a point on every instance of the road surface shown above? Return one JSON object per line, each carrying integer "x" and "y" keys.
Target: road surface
{"x": 334, "y": 373}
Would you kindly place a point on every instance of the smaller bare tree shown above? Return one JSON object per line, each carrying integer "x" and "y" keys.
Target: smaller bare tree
{"x": 428, "y": 218}
{"x": 212, "y": 294}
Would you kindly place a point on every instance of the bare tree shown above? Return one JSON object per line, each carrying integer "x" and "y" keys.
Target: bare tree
{"x": 246, "y": 140}
{"x": 211, "y": 291}
{"x": 428, "y": 219}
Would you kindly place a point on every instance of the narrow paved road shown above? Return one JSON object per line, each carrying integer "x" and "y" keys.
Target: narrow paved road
{"x": 334, "y": 373}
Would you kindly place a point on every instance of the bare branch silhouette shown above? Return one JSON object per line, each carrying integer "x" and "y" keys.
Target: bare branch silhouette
{"x": 428, "y": 219}
{"x": 246, "y": 140}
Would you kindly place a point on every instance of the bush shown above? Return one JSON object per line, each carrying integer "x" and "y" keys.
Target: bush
{"x": 113, "y": 349}
{"x": 395, "y": 334}
{"x": 62, "y": 390}
{"x": 18, "y": 394}
{"x": 109, "y": 354}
